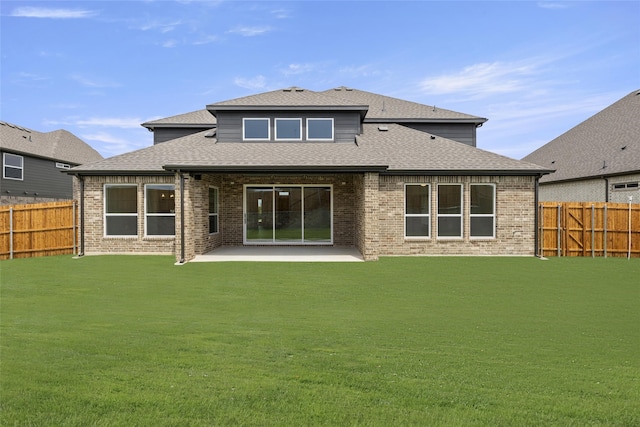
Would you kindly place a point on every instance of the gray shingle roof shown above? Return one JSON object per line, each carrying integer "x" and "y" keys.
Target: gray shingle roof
{"x": 288, "y": 98}
{"x": 386, "y": 108}
{"x": 607, "y": 143}
{"x": 58, "y": 145}
{"x": 199, "y": 118}
{"x": 396, "y": 149}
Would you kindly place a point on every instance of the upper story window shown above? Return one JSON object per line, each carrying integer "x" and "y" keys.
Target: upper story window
{"x": 289, "y": 129}
{"x": 319, "y": 129}
{"x": 256, "y": 129}
{"x": 12, "y": 166}
{"x": 63, "y": 165}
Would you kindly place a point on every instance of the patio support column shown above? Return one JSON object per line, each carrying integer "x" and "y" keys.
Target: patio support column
{"x": 371, "y": 187}
{"x": 185, "y": 247}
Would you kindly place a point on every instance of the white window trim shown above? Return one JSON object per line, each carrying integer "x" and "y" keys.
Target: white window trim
{"x": 244, "y": 138}
{"x": 288, "y": 119}
{"x": 147, "y": 215}
{"x": 106, "y": 214}
{"x": 427, "y": 215}
{"x": 493, "y": 215}
{"x": 460, "y": 215}
{"x": 321, "y": 139}
{"x": 625, "y": 186}
{"x": 63, "y": 165}
{"x": 5, "y": 166}
{"x": 216, "y": 214}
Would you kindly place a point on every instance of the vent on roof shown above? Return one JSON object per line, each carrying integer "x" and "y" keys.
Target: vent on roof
{"x": 348, "y": 89}
{"x": 293, "y": 89}
{"x": 383, "y": 128}
{"x": 210, "y": 134}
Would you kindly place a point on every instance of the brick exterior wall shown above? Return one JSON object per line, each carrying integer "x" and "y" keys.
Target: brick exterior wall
{"x": 368, "y": 213}
{"x": 93, "y": 212}
{"x": 515, "y": 218}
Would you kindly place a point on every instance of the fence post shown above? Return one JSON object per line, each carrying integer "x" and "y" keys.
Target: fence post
{"x": 74, "y": 226}
{"x": 10, "y": 233}
{"x": 593, "y": 231}
{"x": 559, "y": 227}
{"x": 604, "y": 243}
{"x": 629, "y": 238}
{"x": 541, "y": 230}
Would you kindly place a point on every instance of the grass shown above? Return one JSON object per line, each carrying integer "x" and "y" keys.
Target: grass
{"x": 137, "y": 341}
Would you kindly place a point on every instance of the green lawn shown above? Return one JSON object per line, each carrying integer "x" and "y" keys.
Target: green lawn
{"x": 138, "y": 341}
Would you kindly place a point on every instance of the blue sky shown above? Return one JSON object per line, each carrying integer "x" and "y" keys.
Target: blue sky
{"x": 100, "y": 68}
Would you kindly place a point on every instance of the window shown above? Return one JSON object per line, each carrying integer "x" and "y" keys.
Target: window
{"x": 321, "y": 129}
{"x": 255, "y": 129}
{"x": 449, "y": 211}
{"x": 483, "y": 211}
{"x": 63, "y": 165}
{"x": 290, "y": 129}
{"x": 160, "y": 211}
{"x": 120, "y": 210}
{"x": 626, "y": 186}
{"x": 13, "y": 166}
{"x": 213, "y": 210}
{"x": 417, "y": 210}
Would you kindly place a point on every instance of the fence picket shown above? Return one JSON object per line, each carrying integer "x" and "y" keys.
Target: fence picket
{"x": 38, "y": 229}
{"x": 606, "y": 232}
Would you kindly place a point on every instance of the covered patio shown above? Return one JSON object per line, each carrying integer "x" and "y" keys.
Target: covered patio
{"x": 281, "y": 254}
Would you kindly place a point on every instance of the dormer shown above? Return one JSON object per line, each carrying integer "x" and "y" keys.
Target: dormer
{"x": 293, "y": 115}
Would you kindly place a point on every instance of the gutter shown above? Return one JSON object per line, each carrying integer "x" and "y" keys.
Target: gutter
{"x": 81, "y": 205}
{"x": 182, "y": 232}
{"x": 536, "y": 234}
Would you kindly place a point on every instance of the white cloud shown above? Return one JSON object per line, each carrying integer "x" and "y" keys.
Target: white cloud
{"x": 254, "y": 83}
{"x": 250, "y": 31}
{"x": 114, "y": 122}
{"x": 93, "y": 82}
{"x": 553, "y": 5}
{"x": 206, "y": 40}
{"x": 170, "y": 43}
{"x": 162, "y": 27}
{"x": 294, "y": 69}
{"x": 482, "y": 80}
{"x": 281, "y": 13}
{"x": 44, "y": 12}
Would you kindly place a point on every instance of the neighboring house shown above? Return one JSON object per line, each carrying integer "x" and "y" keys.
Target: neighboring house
{"x": 296, "y": 167}
{"x": 597, "y": 160}
{"x": 33, "y": 162}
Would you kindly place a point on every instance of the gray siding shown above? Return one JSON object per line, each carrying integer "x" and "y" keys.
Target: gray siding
{"x": 461, "y": 132}
{"x": 346, "y": 125}
{"x": 166, "y": 134}
{"x": 40, "y": 176}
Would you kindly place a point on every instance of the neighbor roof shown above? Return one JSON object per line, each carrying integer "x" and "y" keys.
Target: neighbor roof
{"x": 391, "y": 148}
{"x": 58, "y": 145}
{"x": 607, "y": 143}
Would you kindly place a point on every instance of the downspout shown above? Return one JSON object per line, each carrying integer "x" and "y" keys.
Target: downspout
{"x": 606, "y": 189}
{"x": 81, "y": 206}
{"x": 182, "y": 233}
{"x": 536, "y": 219}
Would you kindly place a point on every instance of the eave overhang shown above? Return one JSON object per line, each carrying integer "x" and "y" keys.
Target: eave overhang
{"x": 276, "y": 169}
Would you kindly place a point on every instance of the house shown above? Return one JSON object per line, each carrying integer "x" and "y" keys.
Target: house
{"x": 32, "y": 163}
{"x": 596, "y": 161}
{"x": 342, "y": 167}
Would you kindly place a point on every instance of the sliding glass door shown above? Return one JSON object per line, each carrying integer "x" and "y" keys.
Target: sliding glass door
{"x": 292, "y": 214}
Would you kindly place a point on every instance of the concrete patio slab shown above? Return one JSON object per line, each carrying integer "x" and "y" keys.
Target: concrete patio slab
{"x": 281, "y": 254}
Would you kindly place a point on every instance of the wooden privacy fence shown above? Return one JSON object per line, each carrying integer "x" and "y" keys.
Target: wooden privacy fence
{"x": 40, "y": 229}
{"x": 589, "y": 229}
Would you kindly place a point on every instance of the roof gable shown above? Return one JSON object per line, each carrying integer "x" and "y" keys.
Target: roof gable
{"x": 607, "y": 143}
{"x": 199, "y": 118}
